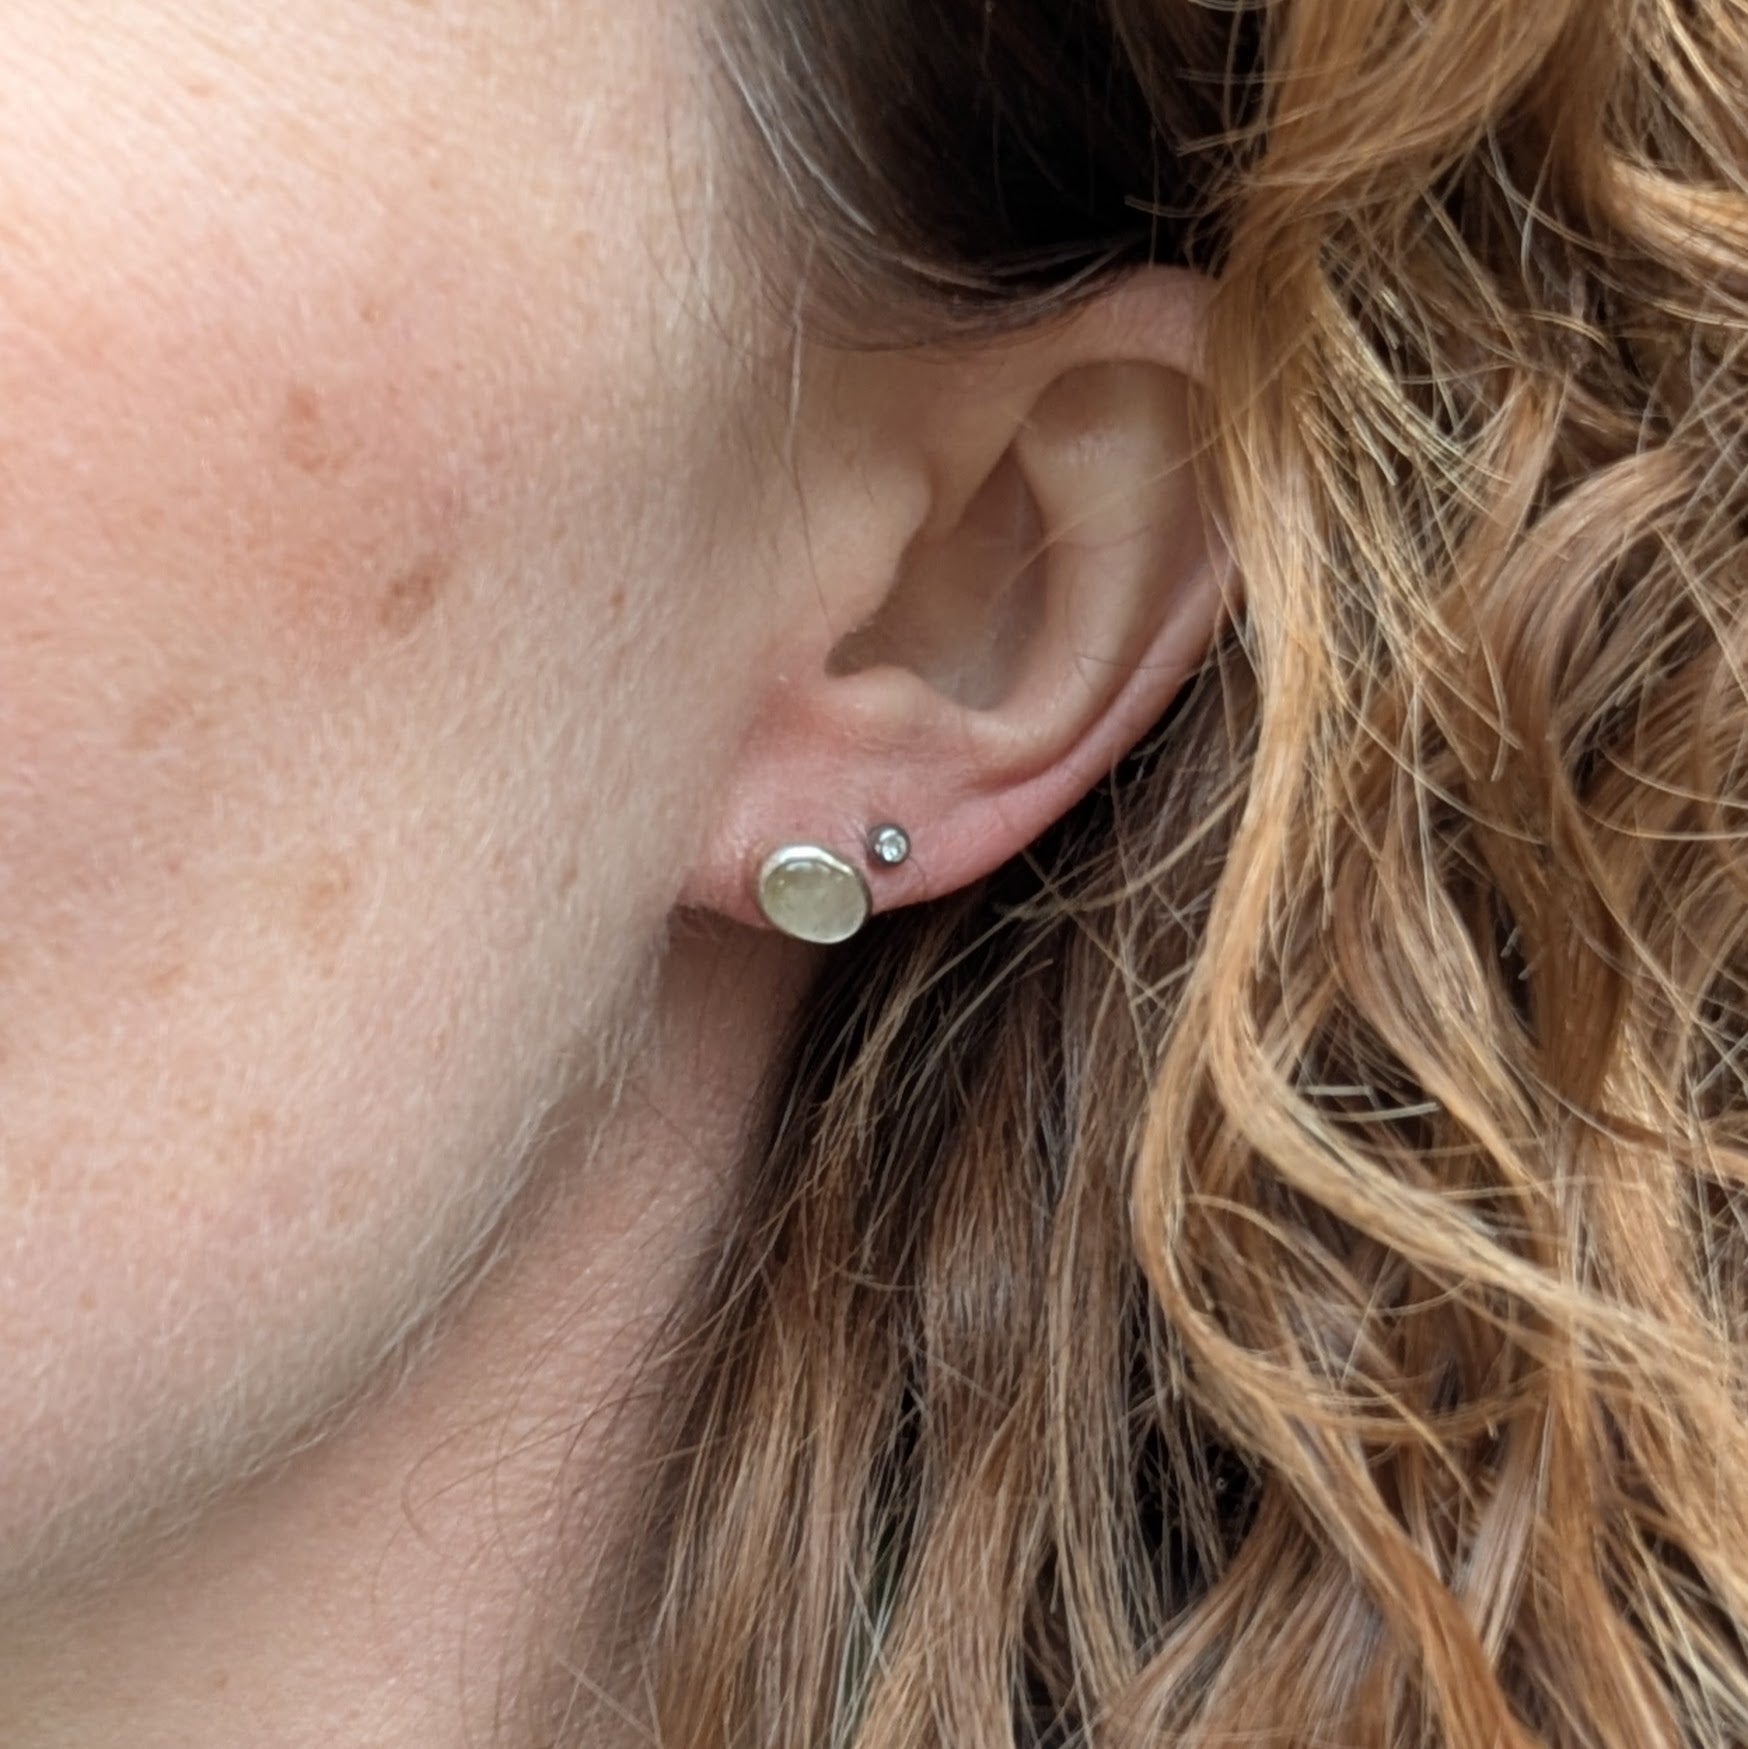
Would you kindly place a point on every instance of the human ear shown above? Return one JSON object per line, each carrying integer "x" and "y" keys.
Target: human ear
{"x": 1010, "y": 572}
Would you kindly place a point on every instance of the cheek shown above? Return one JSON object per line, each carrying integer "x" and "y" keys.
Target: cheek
{"x": 294, "y": 445}
{"x": 283, "y": 409}
{"x": 181, "y": 535}
{"x": 279, "y": 328}
{"x": 340, "y": 795}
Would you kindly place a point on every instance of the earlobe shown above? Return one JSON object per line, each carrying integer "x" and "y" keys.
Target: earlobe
{"x": 1042, "y": 608}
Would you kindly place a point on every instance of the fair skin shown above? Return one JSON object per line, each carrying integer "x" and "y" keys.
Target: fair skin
{"x": 421, "y": 604}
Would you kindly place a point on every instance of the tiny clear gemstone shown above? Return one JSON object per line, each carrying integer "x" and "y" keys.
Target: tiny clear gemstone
{"x": 891, "y": 845}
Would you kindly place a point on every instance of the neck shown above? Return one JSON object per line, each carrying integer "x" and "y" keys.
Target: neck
{"x": 383, "y": 1586}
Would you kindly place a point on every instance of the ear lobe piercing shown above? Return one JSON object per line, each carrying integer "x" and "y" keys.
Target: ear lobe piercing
{"x": 813, "y": 894}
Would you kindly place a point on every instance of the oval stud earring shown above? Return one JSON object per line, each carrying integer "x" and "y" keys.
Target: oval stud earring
{"x": 812, "y": 895}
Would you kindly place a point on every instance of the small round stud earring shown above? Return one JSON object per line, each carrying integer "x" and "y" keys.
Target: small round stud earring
{"x": 813, "y": 895}
{"x": 889, "y": 846}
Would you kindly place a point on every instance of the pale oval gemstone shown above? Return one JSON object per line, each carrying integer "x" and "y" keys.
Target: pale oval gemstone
{"x": 812, "y": 895}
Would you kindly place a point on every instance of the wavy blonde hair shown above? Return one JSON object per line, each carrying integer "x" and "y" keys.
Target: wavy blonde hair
{"x": 1270, "y": 1267}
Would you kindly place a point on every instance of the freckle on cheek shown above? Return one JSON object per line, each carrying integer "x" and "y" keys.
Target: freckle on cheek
{"x": 410, "y": 597}
{"x": 159, "y": 719}
{"x": 306, "y": 438}
{"x": 324, "y": 907}
{"x": 166, "y": 978}
{"x": 250, "y": 1134}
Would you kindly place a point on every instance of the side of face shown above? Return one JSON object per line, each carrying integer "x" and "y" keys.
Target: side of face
{"x": 420, "y": 575}
{"x": 369, "y": 493}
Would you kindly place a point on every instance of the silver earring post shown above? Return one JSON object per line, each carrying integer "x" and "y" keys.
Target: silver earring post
{"x": 811, "y": 894}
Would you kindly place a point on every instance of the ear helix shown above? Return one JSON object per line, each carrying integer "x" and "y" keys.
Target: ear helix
{"x": 812, "y": 894}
